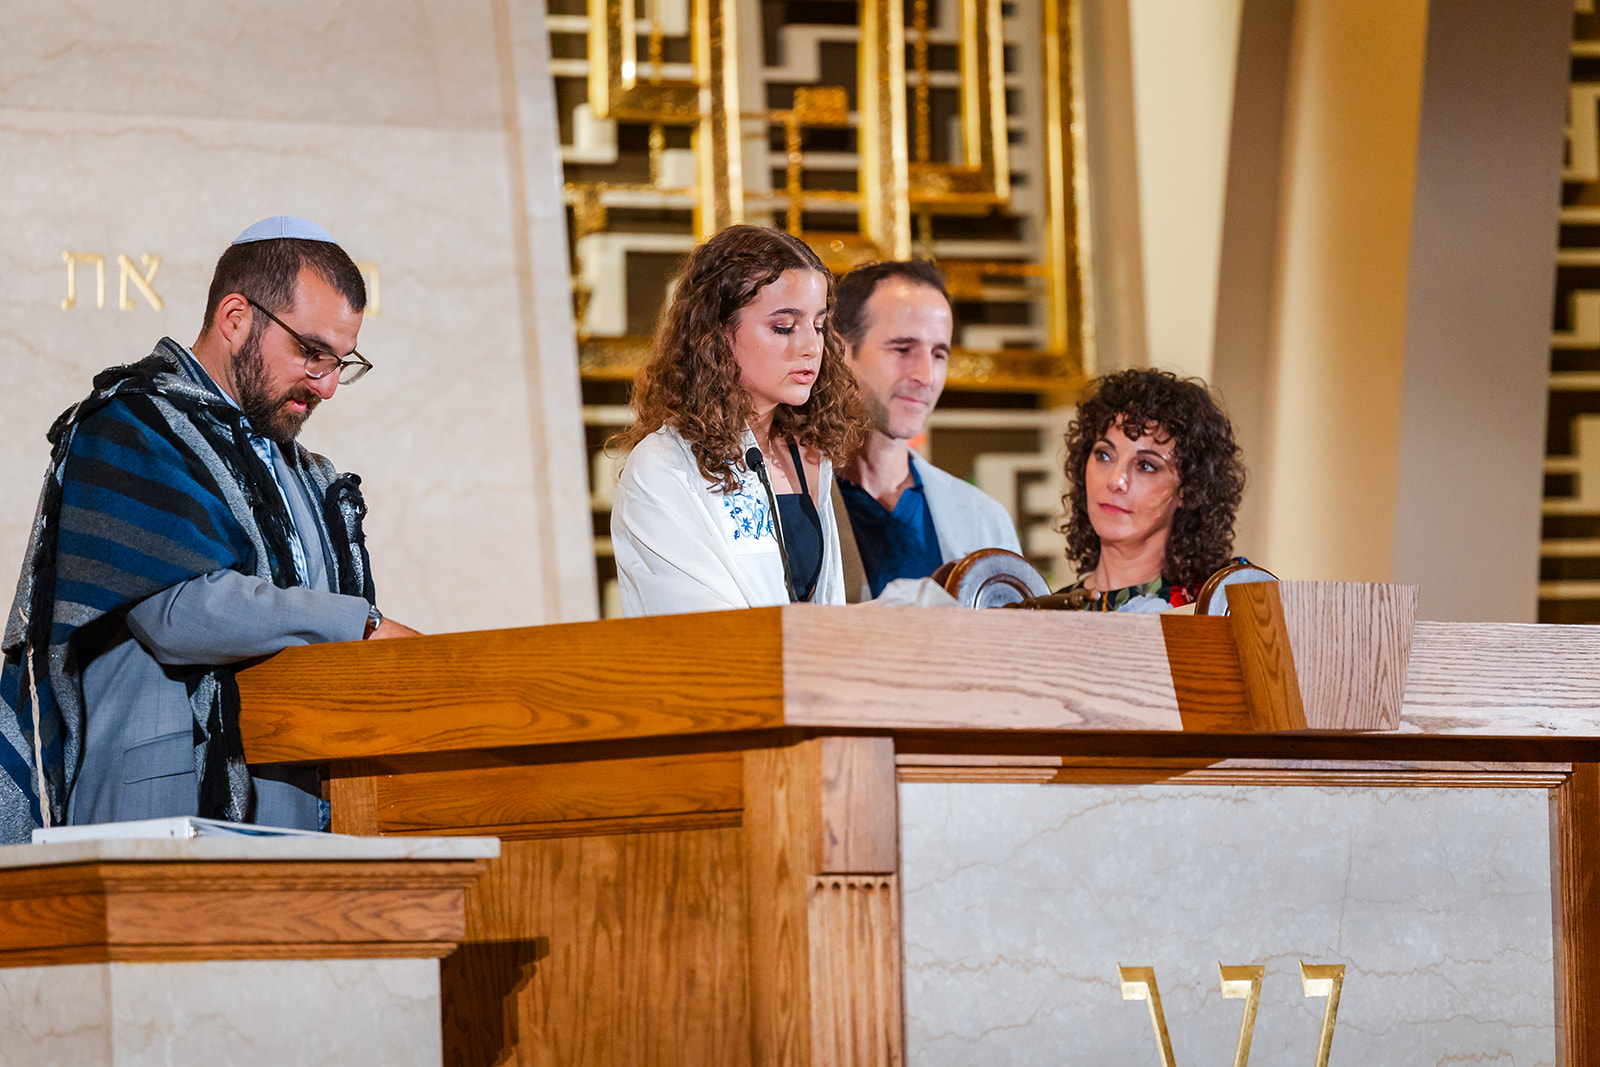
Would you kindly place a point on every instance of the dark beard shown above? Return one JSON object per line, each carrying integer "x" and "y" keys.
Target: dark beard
{"x": 268, "y": 414}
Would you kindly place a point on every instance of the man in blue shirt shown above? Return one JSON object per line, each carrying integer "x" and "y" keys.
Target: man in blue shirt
{"x": 907, "y": 517}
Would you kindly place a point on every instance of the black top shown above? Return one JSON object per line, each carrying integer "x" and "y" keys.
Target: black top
{"x": 802, "y": 532}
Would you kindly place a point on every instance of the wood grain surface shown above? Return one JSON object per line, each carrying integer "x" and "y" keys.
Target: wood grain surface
{"x": 1266, "y": 657}
{"x": 607, "y": 950}
{"x": 1207, "y": 679}
{"x": 152, "y": 911}
{"x": 864, "y": 668}
{"x": 860, "y": 806}
{"x": 856, "y": 982}
{"x": 1503, "y": 679}
{"x": 525, "y": 799}
{"x": 782, "y": 852}
{"x": 1135, "y": 770}
{"x": 1018, "y": 670}
{"x": 1352, "y": 646}
{"x": 1575, "y": 891}
{"x": 824, "y": 946}
{"x": 538, "y": 685}
{"x": 353, "y": 794}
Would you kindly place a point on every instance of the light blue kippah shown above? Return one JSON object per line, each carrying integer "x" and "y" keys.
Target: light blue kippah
{"x": 281, "y": 226}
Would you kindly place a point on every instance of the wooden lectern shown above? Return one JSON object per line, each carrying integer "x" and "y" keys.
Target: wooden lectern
{"x": 699, "y": 812}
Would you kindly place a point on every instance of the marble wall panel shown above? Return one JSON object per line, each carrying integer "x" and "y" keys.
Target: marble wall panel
{"x": 549, "y": 327}
{"x": 251, "y": 1013}
{"x": 55, "y": 1015}
{"x": 133, "y": 130}
{"x": 407, "y": 62}
{"x": 1021, "y": 901}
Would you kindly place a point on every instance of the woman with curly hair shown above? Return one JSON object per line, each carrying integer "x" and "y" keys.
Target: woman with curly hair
{"x": 1154, "y": 479}
{"x": 741, "y": 411}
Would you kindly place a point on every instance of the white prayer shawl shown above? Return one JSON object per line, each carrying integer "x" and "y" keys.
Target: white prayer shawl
{"x": 964, "y": 516}
{"x": 683, "y": 545}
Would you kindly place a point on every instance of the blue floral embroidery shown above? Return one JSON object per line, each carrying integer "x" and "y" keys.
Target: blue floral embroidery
{"x": 751, "y": 517}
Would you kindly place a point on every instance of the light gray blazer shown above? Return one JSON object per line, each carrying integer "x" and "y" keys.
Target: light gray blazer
{"x": 138, "y": 744}
{"x": 964, "y": 516}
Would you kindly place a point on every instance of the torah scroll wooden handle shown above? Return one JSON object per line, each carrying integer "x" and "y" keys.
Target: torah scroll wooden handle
{"x": 991, "y": 578}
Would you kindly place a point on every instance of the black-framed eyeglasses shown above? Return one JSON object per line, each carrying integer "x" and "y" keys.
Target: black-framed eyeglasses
{"x": 319, "y": 361}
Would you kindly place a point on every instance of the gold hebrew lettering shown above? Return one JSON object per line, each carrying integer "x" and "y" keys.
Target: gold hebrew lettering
{"x": 1324, "y": 980}
{"x": 141, "y": 281}
{"x": 75, "y": 258}
{"x": 1243, "y": 983}
{"x": 1139, "y": 983}
{"x": 369, "y": 271}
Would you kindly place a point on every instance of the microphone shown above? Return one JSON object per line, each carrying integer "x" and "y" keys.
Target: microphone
{"x": 758, "y": 463}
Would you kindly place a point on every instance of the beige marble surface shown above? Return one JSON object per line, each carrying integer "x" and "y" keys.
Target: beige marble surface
{"x": 131, "y": 130}
{"x": 1021, "y": 901}
{"x": 256, "y": 1013}
{"x": 413, "y": 63}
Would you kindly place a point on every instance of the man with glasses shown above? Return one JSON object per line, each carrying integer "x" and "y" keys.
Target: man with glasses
{"x": 182, "y": 530}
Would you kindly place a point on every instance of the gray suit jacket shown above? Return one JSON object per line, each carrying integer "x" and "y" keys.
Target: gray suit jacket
{"x": 138, "y": 744}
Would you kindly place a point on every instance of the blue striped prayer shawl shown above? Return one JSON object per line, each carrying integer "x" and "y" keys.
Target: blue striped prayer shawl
{"x": 152, "y": 482}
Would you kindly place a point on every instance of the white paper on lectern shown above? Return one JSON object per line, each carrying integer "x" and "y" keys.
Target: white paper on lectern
{"x": 178, "y": 827}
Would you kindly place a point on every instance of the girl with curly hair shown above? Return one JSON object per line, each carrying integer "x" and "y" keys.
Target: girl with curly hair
{"x": 1154, "y": 480}
{"x": 741, "y": 412}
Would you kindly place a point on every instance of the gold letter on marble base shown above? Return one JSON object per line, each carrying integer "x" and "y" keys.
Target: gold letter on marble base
{"x": 1324, "y": 980}
{"x": 1245, "y": 983}
{"x": 73, "y": 259}
{"x": 1239, "y": 983}
{"x": 142, "y": 281}
{"x": 1139, "y": 983}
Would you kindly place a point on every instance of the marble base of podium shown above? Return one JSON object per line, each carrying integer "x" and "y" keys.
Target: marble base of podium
{"x": 276, "y": 951}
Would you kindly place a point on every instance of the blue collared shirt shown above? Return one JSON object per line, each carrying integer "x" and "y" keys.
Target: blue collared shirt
{"x": 894, "y": 544}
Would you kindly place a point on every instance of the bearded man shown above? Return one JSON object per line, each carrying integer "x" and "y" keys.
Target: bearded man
{"x": 180, "y": 531}
{"x": 906, "y": 517}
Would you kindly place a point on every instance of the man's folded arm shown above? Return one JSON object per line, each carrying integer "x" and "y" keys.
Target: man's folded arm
{"x": 225, "y": 616}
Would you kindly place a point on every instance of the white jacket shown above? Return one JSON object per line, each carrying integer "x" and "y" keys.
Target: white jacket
{"x": 683, "y": 545}
{"x": 965, "y": 518}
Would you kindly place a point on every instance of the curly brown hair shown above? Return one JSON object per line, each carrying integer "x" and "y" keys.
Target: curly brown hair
{"x": 1211, "y": 475}
{"x": 691, "y": 381}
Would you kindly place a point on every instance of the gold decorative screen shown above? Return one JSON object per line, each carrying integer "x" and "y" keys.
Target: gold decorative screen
{"x": 1569, "y": 566}
{"x": 883, "y": 129}
{"x": 867, "y": 129}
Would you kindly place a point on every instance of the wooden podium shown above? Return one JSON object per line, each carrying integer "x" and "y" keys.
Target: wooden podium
{"x": 699, "y": 812}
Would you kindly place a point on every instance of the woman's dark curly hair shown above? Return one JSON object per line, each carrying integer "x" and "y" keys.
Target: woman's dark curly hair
{"x": 1210, "y": 473}
{"x": 692, "y": 383}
